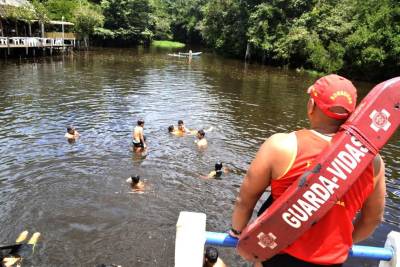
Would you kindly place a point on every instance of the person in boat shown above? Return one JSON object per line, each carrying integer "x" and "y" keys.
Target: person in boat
{"x": 212, "y": 259}
{"x": 219, "y": 169}
{"x": 138, "y": 140}
{"x": 136, "y": 184}
{"x": 201, "y": 139}
{"x": 72, "y": 133}
{"x": 284, "y": 157}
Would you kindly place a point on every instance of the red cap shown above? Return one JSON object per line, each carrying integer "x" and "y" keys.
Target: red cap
{"x": 334, "y": 91}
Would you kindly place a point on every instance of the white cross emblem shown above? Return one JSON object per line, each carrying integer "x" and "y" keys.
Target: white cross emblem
{"x": 380, "y": 120}
{"x": 267, "y": 240}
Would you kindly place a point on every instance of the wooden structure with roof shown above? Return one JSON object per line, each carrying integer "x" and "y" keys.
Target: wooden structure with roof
{"x": 30, "y": 34}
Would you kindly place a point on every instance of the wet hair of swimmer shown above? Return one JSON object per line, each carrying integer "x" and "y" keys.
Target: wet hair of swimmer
{"x": 218, "y": 169}
{"x": 218, "y": 166}
{"x": 171, "y": 128}
{"x": 202, "y": 133}
{"x": 135, "y": 179}
{"x": 180, "y": 122}
{"x": 70, "y": 130}
{"x": 140, "y": 122}
{"x": 211, "y": 254}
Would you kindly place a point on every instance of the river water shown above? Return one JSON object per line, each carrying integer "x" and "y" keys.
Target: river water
{"x": 75, "y": 194}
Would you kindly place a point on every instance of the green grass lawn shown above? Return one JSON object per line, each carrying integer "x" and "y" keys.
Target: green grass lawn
{"x": 167, "y": 44}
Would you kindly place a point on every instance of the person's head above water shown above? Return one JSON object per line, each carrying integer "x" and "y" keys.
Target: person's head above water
{"x": 218, "y": 166}
{"x": 135, "y": 179}
{"x": 201, "y": 133}
{"x": 71, "y": 130}
{"x": 181, "y": 126}
{"x": 211, "y": 255}
{"x": 332, "y": 100}
{"x": 171, "y": 128}
{"x": 140, "y": 122}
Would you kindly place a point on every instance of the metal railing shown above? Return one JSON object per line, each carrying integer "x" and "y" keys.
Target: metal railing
{"x": 363, "y": 252}
{"x": 17, "y": 42}
{"x": 3, "y": 42}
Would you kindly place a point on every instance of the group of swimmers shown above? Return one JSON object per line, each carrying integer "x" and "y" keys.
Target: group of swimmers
{"x": 181, "y": 130}
{"x": 211, "y": 258}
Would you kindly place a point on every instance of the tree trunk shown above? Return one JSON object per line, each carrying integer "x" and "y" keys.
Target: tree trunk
{"x": 42, "y": 26}
{"x": 1, "y": 29}
{"x": 248, "y": 55}
{"x": 86, "y": 41}
{"x": 30, "y": 30}
{"x": 16, "y": 28}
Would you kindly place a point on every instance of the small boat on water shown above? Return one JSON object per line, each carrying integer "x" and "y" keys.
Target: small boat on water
{"x": 176, "y": 55}
{"x": 180, "y": 54}
{"x": 193, "y": 54}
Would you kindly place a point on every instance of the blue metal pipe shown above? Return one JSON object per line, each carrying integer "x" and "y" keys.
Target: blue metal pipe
{"x": 363, "y": 252}
{"x": 371, "y": 253}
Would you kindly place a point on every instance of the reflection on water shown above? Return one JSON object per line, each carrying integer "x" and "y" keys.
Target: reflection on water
{"x": 75, "y": 194}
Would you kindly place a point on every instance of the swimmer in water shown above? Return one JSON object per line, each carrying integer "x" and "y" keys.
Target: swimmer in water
{"x": 181, "y": 127}
{"x": 138, "y": 140}
{"x": 181, "y": 130}
{"x": 211, "y": 258}
{"x": 13, "y": 255}
{"x": 136, "y": 184}
{"x": 201, "y": 139}
{"x": 71, "y": 133}
{"x": 217, "y": 172}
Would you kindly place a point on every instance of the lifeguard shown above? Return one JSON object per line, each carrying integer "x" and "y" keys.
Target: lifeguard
{"x": 282, "y": 161}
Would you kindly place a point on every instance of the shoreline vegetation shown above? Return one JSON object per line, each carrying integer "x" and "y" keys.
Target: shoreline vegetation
{"x": 167, "y": 44}
{"x": 355, "y": 38}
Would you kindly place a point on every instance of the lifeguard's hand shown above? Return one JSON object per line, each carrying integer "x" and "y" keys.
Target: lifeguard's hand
{"x": 243, "y": 254}
{"x": 231, "y": 233}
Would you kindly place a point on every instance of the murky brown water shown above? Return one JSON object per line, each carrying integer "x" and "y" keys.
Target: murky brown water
{"x": 76, "y": 195}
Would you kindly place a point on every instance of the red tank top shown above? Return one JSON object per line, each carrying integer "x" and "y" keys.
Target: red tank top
{"x": 329, "y": 240}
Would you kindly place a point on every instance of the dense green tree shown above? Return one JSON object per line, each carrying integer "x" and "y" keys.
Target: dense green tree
{"x": 86, "y": 19}
{"x": 161, "y": 20}
{"x": 131, "y": 20}
{"x": 42, "y": 14}
{"x": 62, "y": 8}
{"x": 224, "y": 26}
{"x": 373, "y": 49}
{"x": 355, "y": 37}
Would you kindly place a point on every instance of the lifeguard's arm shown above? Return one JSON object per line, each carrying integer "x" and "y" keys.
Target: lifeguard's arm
{"x": 258, "y": 178}
{"x": 372, "y": 211}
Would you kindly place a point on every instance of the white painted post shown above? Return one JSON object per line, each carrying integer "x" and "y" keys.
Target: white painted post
{"x": 62, "y": 29}
{"x": 393, "y": 242}
{"x": 190, "y": 239}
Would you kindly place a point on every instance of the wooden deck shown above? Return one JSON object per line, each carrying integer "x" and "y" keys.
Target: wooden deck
{"x": 27, "y": 42}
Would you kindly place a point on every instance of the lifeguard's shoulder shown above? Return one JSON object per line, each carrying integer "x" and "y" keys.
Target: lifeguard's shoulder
{"x": 281, "y": 143}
